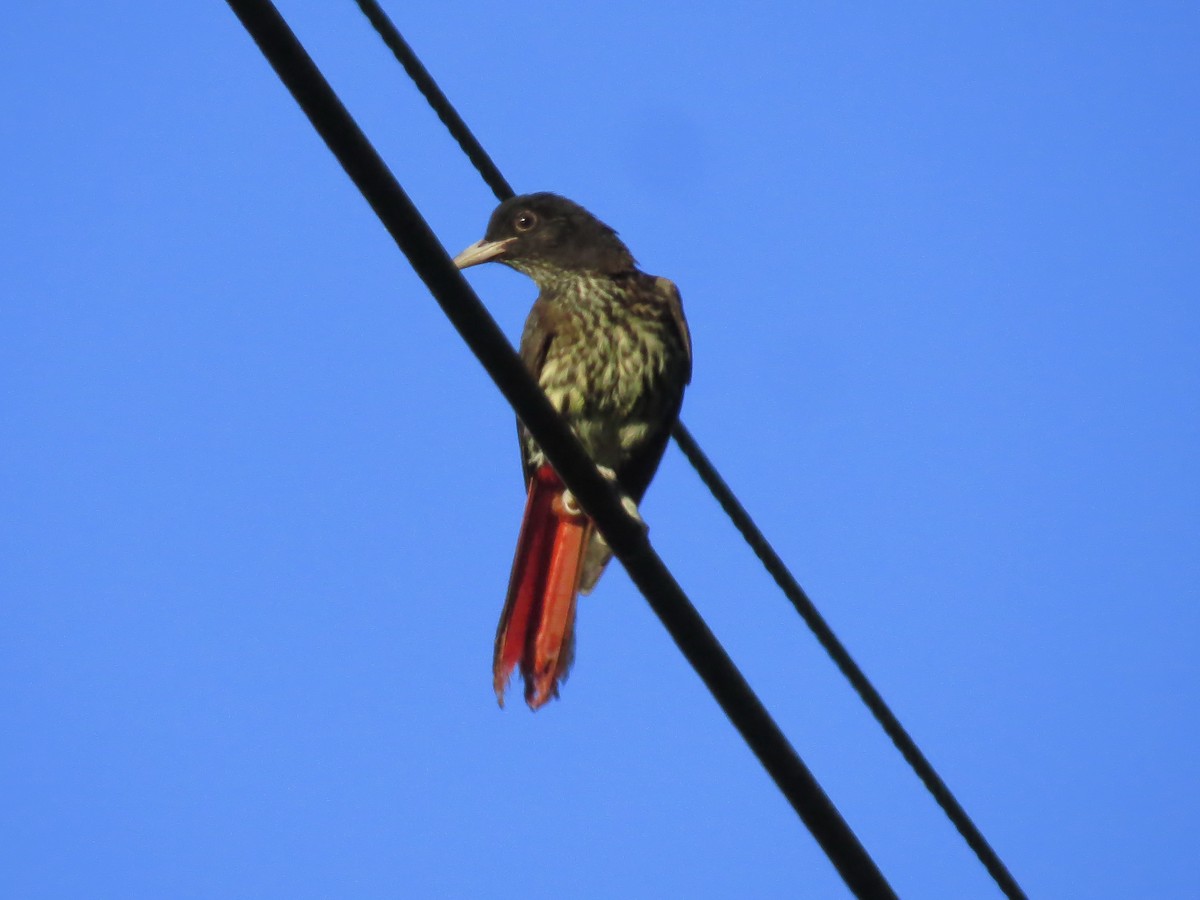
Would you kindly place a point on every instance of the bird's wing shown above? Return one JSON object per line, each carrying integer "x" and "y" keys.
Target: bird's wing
{"x": 666, "y": 287}
{"x": 536, "y": 339}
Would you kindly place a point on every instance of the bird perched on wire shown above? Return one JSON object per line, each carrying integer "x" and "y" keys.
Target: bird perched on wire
{"x": 610, "y": 347}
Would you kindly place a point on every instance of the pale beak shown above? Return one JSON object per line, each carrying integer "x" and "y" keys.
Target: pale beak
{"x": 481, "y": 252}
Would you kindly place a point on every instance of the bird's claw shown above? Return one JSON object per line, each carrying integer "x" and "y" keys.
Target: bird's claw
{"x": 631, "y": 508}
{"x": 570, "y": 505}
{"x": 626, "y": 501}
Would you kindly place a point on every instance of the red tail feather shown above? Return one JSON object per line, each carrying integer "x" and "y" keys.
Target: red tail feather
{"x": 537, "y": 626}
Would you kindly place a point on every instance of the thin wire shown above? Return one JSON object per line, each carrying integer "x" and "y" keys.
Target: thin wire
{"x": 849, "y": 668}
{"x": 439, "y": 102}
{"x": 625, "y": 535}
{"x": 724, "y": 495}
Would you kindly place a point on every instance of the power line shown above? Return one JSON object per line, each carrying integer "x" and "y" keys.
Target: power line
{"x": 724, "y": 495}
{"x": 849, "y": 668}
{"x": 626, "y": 537}
{"x": 434, "y": 96}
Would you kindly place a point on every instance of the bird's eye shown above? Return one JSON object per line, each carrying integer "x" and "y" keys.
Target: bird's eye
{"x": 525, "y": 221}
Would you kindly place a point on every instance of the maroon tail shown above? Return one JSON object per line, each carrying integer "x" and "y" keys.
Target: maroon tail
{"x": 537, "y": 626}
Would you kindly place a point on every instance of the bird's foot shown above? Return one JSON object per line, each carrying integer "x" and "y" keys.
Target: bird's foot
{"x": 626, "y": 501}
{"x": 570, "y": 506}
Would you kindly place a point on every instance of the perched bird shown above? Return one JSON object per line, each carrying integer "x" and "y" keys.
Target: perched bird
{"x": 610, "y": 347}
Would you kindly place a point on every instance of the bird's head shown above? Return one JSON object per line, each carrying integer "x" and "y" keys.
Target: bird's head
{"x": 546, "y": 237}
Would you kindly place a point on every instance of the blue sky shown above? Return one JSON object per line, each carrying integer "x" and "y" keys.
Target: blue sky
{"x": 259, "y": 502}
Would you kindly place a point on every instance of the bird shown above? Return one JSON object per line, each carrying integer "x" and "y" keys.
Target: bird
{"x": 610, "y": 347}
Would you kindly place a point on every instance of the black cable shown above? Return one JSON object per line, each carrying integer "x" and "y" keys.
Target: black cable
{"x": 849, "y": 668}
{"x": 626, "y": 537}
{"x": 436, "y": 99}
{"x": 725, "y": 496}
